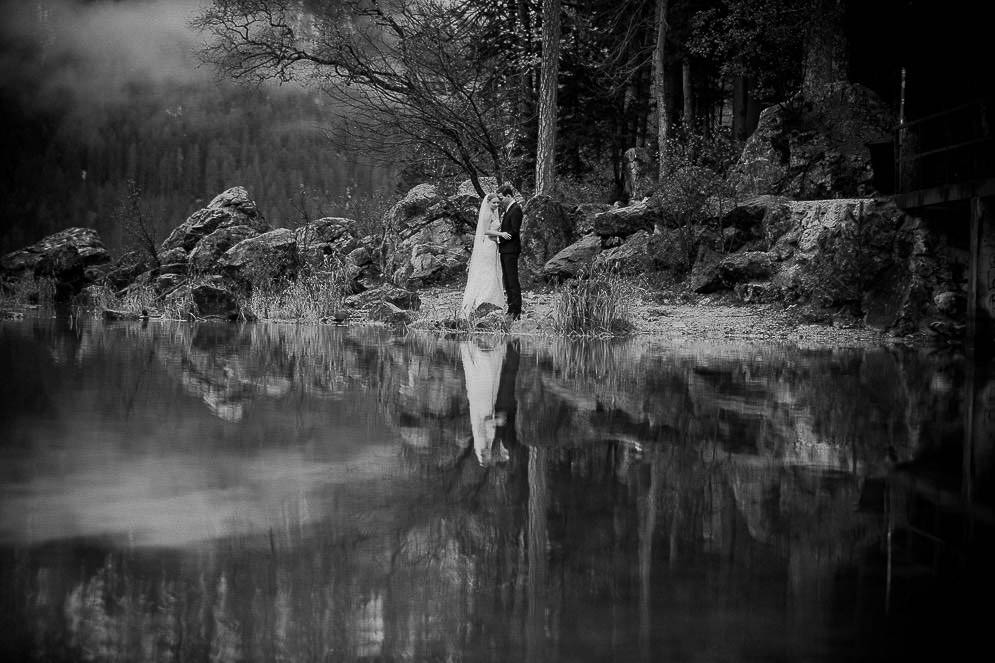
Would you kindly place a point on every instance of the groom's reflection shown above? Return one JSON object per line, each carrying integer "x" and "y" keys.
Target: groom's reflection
{"x": 506, "y": 404}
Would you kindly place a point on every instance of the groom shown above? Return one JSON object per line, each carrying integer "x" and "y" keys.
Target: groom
{"x": 509, "y": 248}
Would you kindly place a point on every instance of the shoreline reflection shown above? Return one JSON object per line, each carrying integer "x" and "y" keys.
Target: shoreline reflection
{"x": 421, "y": 498}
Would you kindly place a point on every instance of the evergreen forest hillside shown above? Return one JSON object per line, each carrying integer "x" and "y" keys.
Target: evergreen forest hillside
{"x": 74, "y": 145}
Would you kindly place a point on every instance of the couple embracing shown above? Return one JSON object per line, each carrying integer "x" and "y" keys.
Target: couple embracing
{"x": 492, "y": 274}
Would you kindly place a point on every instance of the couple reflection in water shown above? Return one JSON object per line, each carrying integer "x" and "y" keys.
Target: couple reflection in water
{"x": 491, "y": 369}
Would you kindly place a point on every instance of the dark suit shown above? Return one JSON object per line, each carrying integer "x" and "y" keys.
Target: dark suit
{"x": 511, "y": 223}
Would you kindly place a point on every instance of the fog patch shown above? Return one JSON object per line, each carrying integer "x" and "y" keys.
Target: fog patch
{"x": 67, "y": 55}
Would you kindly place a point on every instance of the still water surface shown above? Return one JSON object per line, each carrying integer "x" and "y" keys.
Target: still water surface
{"x": 182, "y": 492}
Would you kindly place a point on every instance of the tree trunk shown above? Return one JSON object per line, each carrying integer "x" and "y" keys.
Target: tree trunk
{"x": 550, "y": 69}
{"x": 688, "y": 115}
{"x": 660, "y": 87}
{"x": 643, "y": 107}
{"x": 826, "y": 59}
{"x": 745, "y": 109}
{"x": 525, "y": 138}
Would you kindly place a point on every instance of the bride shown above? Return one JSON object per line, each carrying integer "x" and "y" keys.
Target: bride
{"x": 483, "y": 281}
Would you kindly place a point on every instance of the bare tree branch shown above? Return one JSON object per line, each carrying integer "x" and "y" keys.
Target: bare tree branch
{"x": 411, "y": 73}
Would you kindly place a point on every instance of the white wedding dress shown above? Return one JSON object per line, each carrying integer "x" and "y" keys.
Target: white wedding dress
{"x": 483, "y": 280}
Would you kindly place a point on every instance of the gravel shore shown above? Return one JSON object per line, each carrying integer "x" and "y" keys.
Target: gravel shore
{"x": 700, "y": 318}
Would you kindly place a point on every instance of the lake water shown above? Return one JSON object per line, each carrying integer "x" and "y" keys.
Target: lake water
{"x": 181, "y": 492}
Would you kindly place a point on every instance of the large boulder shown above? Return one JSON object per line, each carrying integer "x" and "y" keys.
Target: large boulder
{"x": 632, "y": 257}
{"x": 749, "y": 214}
{"x": 126, "y": 268}
{"x": 584, "y": 215}
{"x": 867, "y": 254}
{"x": 64, "y": 256}
{"x": 262, "y": 258}
{"x": 177, "y": 254}
{"x": 815, "y": 147}
{"x": 326, "y": 237}
{"x": 488, "y": 184}
{"x": 754, "y": 223}
{"x": 205, "y": 254}
{"x": 70, "y": 250}
{"x": 673, "y": 250}
{"x": 399, "y": 297}
{"x": 432, "y": 236}
{"x": 861, "y": 254}
{"x": 251, "y": 257}
{"x": 734, "y": 269}
{"x": 569, "y": 262}
{"x": 547, "y": 228}
{"x": 206, "y": 299}
{"x": 229, "y": 208}
{"x": 360, "y": 256}
{"x": 624, "y": 221}
{"x": 406, "y": 212}
{"x": 213, "y": 301}
{"x": 433, "y": 263}
{"x": 389, "y": 314}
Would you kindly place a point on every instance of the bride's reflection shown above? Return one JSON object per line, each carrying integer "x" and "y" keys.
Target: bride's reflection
{"x": 490, "y": 371}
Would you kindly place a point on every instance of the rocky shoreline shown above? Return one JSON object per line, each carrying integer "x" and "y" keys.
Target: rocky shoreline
{"x": 856, "y": 272}
{"x": 705, "y": 320}
{"x": 793, "y": 242}
{"x": 708, "y": 318}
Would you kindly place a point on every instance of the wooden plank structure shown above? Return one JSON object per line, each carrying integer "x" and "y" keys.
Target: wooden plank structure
{"x": 946, "y": 161}
{"x": 939, "y": 166}
{"x": 945, "y": 167}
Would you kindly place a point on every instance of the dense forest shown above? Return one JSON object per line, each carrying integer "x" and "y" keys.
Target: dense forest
{"x": 310, "y": 105}
{"x": 72, "y": 155}
{"x": 180, "y": 157}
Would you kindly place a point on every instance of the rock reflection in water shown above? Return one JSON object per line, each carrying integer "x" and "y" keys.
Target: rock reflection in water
{"x": 188, "y": 492}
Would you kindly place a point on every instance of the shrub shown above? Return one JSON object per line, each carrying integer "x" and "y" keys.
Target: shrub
{"x": 180, "y": 306}
{"x": 141, "y": 298}
{"x": 28, "y": 291}
{"x": 696, "y": 177}
{"x": 597, "y": 302}
{"x": 132, "y": 215}
{"x": 95, "y": 298}
{"x": 594, "y": 187}
{"x": 314, "y": 294}
{"x": 367, "y": 209}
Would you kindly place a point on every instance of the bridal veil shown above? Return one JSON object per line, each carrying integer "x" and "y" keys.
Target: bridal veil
{"x": 483, "y": 281}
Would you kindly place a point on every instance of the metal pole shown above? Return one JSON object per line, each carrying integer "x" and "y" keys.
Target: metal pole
{"x": 900, "y": 170}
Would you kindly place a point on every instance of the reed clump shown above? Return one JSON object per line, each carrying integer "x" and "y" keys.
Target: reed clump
{"x": 597, "y": 303}
{"x": 314, "y": 294}
{"x": 28, "y": 292}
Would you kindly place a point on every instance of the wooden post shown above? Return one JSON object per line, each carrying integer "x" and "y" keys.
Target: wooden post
{"x": 979, "y": 433}
{"x": 981, "y": 285}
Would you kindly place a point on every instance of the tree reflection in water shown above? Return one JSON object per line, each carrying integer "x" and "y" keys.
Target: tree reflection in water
{"x": 263, "y": 492}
